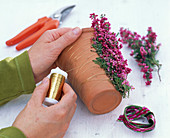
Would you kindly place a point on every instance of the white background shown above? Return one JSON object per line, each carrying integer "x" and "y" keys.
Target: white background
{"x": 137, "y": 15}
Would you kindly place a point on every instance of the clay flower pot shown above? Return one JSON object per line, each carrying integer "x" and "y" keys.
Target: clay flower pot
{"x": 87, "y": 78}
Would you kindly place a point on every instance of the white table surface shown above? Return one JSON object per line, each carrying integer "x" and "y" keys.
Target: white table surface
{"x": 136, "y": 15}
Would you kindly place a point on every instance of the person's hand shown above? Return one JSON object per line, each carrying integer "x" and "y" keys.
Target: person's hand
{"x": 48, "y": 47}
{"x": 37, "y": 121}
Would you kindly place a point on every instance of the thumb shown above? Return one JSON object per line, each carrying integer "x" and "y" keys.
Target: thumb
{"x": 67, "y": 38}
{"x": 40, "y": 92}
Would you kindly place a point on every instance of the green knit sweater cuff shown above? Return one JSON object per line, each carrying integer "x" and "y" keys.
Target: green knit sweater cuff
{"x": 11, "y": 132}
{"x": 25, "y": 72}
{"x": 16, "y": 77}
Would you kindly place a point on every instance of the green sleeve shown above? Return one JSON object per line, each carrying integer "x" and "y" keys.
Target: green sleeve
{"x": 16, "y": 77}
{"x": 11, "y": 132}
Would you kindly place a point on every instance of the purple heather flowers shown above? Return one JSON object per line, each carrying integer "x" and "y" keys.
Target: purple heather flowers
{"x": 110, "y": 57}
{"x": 144, "y": 50}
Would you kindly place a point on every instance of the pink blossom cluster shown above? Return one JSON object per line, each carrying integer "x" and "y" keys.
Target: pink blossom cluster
{"x": 144, "y": 50}
{"x": 108, "y": 48}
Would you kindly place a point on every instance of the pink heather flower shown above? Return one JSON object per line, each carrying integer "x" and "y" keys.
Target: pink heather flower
{"x": 150, "y": 70}
{"x": 132, "y": 53}
{"x": 119, "y": 40}
{"x": 128, "y": 70}
{"x": 140, "y": 60}
{"x": 100, "y": 39}
{"x": 144, "y": 70}
{"x": 144, "y": 76}
{"x": 142, "y": 51}
{"x": 93, "y": 15}
{"x": 143, "y": 38}
{"x": 149, "y": 45}
{"x": 148, "y": 82}
{"x": 140, "y": 64}
{"x": 121, "y": 46}
{"x": 141, "y": 70}
{"x": 150, "y": 76}
{"x": 149, "y": 51}
{"x": 127, "y": 83}
{"x": 146, "y": 67}
{"x": 108, "y": 63}
{"x": 144, "y": 64}
{"x": 149, "y": 29}
{"x": 124, "y": 82}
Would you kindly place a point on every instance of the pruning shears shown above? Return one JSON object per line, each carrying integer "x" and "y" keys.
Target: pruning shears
{"x": 29, "y": 36}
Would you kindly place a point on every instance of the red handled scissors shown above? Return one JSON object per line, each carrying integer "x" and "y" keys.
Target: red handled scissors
{"x": 28, "y": 36}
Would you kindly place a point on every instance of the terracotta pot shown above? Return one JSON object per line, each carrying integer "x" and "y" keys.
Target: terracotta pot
{"x": 86, "y": 77}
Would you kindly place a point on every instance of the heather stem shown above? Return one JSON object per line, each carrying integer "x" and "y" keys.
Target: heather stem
{"x": 159, "y": 67}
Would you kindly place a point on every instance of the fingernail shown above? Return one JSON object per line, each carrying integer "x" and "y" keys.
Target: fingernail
{"x": 45, "y": 80}
{"x": 76, "y": 30}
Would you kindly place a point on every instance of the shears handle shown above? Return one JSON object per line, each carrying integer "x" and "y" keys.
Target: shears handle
{"x": 28, "y": 31}
{"x": 52, "y": 24}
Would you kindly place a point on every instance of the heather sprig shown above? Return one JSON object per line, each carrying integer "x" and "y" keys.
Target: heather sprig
{"x": 144, "y": 50}
{"x": 110, "y": 57}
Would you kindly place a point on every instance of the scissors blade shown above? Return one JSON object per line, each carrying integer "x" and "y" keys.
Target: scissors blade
{"x": 61, "y": 14}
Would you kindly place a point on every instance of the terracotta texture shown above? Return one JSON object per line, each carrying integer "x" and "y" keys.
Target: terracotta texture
{"x": 86, "y": 77}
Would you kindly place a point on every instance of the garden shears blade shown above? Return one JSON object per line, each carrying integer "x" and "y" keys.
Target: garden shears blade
{"x": 30, "y": 35}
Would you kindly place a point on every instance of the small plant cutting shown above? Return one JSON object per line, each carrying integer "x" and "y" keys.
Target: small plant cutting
{"x": 144, "y": 50}
{"x": 110, "y": 57}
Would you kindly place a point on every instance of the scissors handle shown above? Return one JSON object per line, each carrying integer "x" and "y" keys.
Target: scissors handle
{"x": 28, "y": 31}
{"x": 52, "y": 24}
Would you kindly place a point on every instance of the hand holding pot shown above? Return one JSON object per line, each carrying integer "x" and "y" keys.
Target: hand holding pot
{"x": 38, "y": 121}
{"x": 44, "y": 53}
